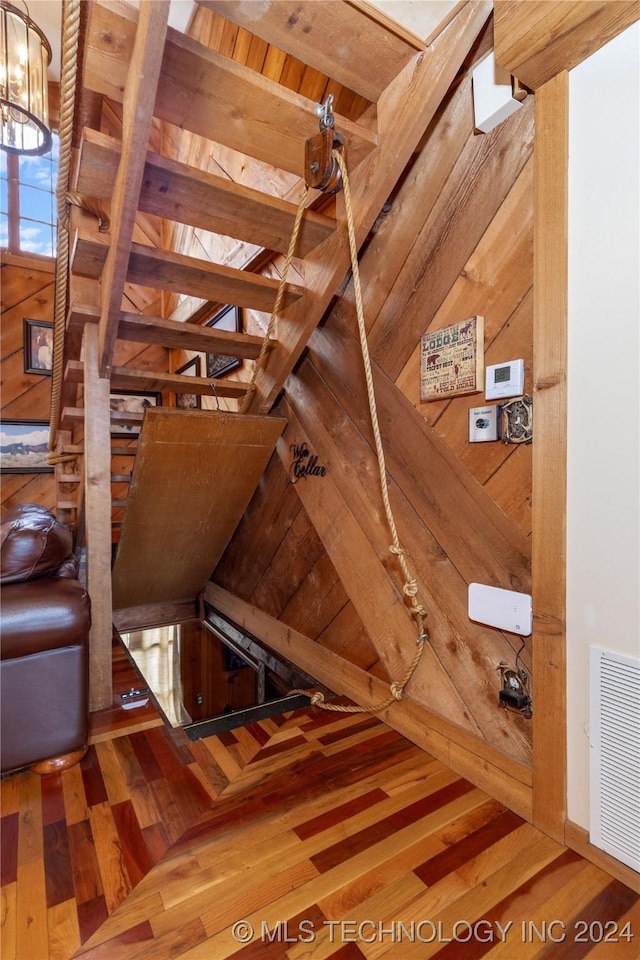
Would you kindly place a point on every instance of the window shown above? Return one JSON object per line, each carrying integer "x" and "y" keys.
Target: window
{"x": 28, "y": 202}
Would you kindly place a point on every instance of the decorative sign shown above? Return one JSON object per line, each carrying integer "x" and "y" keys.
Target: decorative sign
{"x": 452, "y": 360}
{"x": 304, "y": 464}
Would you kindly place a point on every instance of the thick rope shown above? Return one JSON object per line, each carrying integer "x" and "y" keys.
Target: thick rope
{"x": 410, "y": 588}
{"x": 71, "y": 33}
{"x": 246, "y": 400}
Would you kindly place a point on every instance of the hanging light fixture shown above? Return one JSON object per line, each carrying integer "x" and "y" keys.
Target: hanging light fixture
{"x": 25, "y": 55}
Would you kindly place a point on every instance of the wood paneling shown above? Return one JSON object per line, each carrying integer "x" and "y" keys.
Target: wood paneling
{"x": 27, "y": 292}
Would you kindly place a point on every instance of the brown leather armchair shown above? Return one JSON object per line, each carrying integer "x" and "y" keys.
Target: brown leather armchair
{"x": 45, "y": 620}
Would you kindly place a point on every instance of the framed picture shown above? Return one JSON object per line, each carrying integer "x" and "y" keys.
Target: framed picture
{"x": 217, "y": 364}
{"x": 24, "y": 445}
{"x": 452, "y": 360}
{"x": 38, "y": 347}
{"x": 128, "y": 402}
{"x": 189, "y": 401}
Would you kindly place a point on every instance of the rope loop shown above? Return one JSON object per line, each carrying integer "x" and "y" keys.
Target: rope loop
{"x": 410, "y": 588}
{"x": 397, "y": 690}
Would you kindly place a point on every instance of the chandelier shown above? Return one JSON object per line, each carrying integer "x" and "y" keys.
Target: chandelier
{"x": 25, "y": 55}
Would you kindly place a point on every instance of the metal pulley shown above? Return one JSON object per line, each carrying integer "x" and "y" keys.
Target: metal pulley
{"x": 321, "y": 169}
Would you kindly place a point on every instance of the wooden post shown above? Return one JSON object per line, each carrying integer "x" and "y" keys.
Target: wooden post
{"x": 98, "y": 521}
{"x": 549, "y": 455}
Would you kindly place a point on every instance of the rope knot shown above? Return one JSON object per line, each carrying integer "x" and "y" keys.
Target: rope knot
{"x": 410, "y": 588}
{"x": 396, "y": 690}
{"x": 317, "y": 699}
{"x": 398, "y": 551}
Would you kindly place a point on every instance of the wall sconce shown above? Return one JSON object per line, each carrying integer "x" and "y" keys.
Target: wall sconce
{"x": 25, "y": 55}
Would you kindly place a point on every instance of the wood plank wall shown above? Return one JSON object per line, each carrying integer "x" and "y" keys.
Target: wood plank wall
{"x": 27, "y": 293}
{"x": 455, "y": 240}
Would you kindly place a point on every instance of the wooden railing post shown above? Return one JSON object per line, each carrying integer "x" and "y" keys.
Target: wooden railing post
{"x": 97, "y": 462}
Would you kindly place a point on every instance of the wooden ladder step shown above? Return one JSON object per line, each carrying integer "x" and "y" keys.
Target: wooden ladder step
{"x": 69, "y": 478}
{"x": 118, "y": 503}
{"x": 126, "y": 378}
{"x": 139, "y": 328}
{"x": 66, "y": 505}
{"x": 120, "y": 478}
{"x": 123, "y": 451}
{"x": 176, "y": 191}
{"x": 165, "y": 270}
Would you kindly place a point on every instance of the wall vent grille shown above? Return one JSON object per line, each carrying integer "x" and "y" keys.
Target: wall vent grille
{"x": 615, "y": 755}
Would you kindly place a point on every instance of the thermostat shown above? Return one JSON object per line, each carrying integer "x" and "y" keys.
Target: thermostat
{"x": 504, "y": 380}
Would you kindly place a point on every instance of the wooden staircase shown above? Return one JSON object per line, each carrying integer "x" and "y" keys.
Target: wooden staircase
{"x": 388, "y": 83}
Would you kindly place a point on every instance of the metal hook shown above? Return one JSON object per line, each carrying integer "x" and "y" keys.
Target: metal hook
{"x": 325, "y": 112}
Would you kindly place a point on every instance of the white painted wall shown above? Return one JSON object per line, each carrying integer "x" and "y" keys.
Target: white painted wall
{"x": 603, "y": 519}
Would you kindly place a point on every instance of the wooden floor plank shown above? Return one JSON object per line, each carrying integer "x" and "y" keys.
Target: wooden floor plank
{"x": 153, "y": 847}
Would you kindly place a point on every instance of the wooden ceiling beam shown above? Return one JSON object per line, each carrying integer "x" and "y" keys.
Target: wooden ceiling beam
{"x": 536, "y": 40}
{"x": 176, "y": 191}
{"x": 212, "y": 95}
{"x": 139, "y": 96}
{"x": 339, "y": 40}
{"x": 164, "y": 270}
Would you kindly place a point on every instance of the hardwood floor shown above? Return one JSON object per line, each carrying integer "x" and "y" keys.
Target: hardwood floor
{"x": 309, "y": 836}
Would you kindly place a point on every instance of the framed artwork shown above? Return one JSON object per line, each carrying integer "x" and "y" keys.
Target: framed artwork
{"x": 217, "y": 364}
{"x": 24, "y": 445}
{"x": 189, "y": 401}
{"x": 131, "y": 401}
{"x": 452, "y": 360}
{"x": 38, "y": 347}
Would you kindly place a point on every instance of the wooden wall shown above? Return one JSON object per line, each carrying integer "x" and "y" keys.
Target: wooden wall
{"x": 455, "y": 240}
{"x": 27, "y": 292}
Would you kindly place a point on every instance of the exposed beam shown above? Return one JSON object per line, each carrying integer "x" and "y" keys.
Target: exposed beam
{"x": 176, "y": 191}
{"x": 405, "y": 109}
{"x": 337, "y": 39}
{"x": 548, "y": 537}
{"x": 164, "y": 270}
{"x": 212, "y": 95}
{"x": 139, "y": 97}
{"x": 536, "y": 40}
